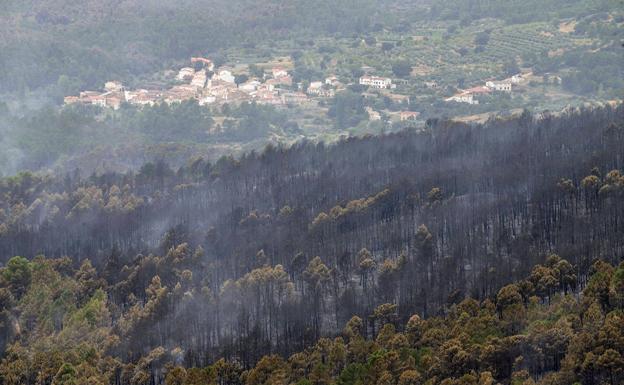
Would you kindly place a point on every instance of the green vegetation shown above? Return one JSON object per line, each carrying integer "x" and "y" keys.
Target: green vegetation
{"x": 570, "y": 55}
{"x": 47, "y": 137}
{"x": 518, "y": 11}
{"x": 89, "y": 42}
{"x": 526, "y": 334}
{"x": 347, "y": 110}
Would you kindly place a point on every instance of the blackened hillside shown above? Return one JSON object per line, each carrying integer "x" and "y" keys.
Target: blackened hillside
{"x": 287, "y": 245}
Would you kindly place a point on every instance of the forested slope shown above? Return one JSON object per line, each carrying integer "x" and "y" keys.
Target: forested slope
{"x": 518, "y": 11}
{"x": 543, "y": 329}
{"x": 267, "y": 253}
{"x": 89, "y": 42}
{"x": 62, "y": 45}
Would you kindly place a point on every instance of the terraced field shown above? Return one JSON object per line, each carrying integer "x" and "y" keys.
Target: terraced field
{"x": 438, "y": 50}
{"x": 443, "y": 51}
{"x": 528, "y": 38}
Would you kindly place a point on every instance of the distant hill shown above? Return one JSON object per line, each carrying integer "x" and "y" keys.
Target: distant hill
{"x": 519, "y": 11}
{"x": 90, "y": 41}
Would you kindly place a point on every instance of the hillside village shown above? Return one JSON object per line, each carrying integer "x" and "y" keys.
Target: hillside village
{"x": 389, "y": 78}
{"x": 208, "y": 85}
{"x": 363, "y": 83}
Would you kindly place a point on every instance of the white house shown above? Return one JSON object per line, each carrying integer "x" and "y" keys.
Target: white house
{"x": 318, "y": 88}
{"x": 516, "y": 79}
{"x": 279, "y": 72}
{"x": 315, "y": 87}
{"x": 463, "y": 98}
{"x": 331, "y": 81}
{"x": 249, "y": 86}
{"x": 504, "y": 86}
{"x": 376, "y": 81}
{"x": 224, "y": 75}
